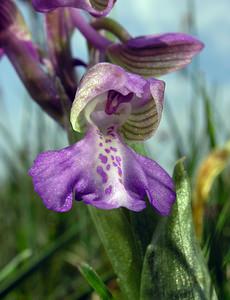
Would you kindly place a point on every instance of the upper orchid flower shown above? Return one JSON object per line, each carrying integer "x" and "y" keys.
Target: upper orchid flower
{"x": 151, "y": 55}
{"x": 110, "y": 106}
{"x": 155, "y": 55}
{"x": 94, "y": 7}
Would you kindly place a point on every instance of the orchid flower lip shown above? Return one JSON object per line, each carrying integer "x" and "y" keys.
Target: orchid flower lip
{"x": 101, "y": 171}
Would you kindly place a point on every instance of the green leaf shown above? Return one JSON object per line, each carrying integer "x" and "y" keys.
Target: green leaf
{"x": 174, "y": 267}
{"x": 95, "y": 281}
{"x": 39, "y": 261}
{"x": 117, "y": 236}
{"x": 12, "y": 266}
{"x": 209, "y": 118}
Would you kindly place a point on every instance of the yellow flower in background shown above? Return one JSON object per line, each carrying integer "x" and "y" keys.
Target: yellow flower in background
{"x": 210, "y": 168}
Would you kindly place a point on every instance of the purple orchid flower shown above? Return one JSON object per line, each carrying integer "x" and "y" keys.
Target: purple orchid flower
{"x": 94, "y": 7}
{"x": 111, "y": 106}
{"x": 155, "y": 55}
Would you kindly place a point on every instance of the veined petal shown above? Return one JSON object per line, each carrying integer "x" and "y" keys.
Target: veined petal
{"x": 144, "y": 119}
{"x": 97, "y": 8}
{"x": 101, "y": 171}
{"x": 146, "y": 104}
{"x": 155, "y": 55}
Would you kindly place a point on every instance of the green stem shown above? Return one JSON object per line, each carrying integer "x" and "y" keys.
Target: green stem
{"x": 113, "y": 27}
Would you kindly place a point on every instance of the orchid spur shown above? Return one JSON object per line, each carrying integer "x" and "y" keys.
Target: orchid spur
{"x": 111, "y": 106}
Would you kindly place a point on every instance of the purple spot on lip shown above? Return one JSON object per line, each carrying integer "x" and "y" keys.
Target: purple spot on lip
{"x": 108, "y": 141}
{"x": 113, "y": 149}
{"x": 103, "y": 174}
{"x": 107, "y": 150}
{"x": 103, "y": 158}
{"x": 115, "y": 165}
{"x": 108, "y": 190}
{"x": 108, "y": 167}
{"x": 100, "y": 144}
{"x": 112, "y": 157}
{"x": 119, "y": 171}
{"x": 118, "y": 159}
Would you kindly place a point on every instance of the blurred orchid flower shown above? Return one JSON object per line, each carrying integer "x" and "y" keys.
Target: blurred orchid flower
{"x": 59, "y": 28}
{"x": 155, "y": 55}
{"x": 94, "y": 7}
{"x": 17, "y": 45}
{"x": 111, "y": 106}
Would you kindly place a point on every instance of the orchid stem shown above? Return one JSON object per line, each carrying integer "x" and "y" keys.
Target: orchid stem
{"x": 112, "y": 26}
{"x": 95, "y": 38}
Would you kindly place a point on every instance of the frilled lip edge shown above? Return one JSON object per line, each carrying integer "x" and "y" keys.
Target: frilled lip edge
{"x": 57, "y": 174}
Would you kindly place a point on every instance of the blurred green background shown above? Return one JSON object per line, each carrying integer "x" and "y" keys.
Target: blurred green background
{"x": 40, "y": 249}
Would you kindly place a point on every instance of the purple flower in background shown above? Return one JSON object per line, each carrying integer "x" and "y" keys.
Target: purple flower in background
{"x": 59, "y": 29}
{"x": 94, "y": 7}
{"x": 111, "y": 106}
{"x": 155, "y": 55}
{"x": 17, "y": 45}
